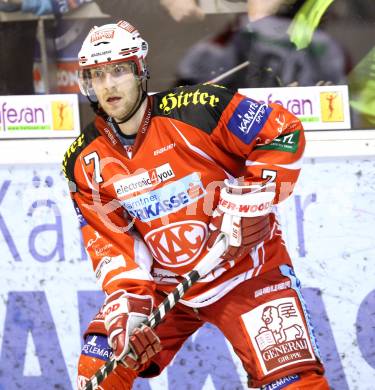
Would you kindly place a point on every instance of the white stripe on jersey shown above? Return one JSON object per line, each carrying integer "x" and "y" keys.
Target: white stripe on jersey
{"x": 199, "y": 151}
{"x": 108, "y": 264}
{"x": 85, "y": 174}
{"x": 136, "y": 273}
{"x": 142, "y": 254}
{"x": 258, "y": 270}
{"x": 255, "y": 256}
{"x": 293, "y": 166}
{"x": 214, "y": 294}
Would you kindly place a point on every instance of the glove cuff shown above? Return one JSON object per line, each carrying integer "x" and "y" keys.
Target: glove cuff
{"x": 250, "y": 204}
{"x": 121, "y": 302}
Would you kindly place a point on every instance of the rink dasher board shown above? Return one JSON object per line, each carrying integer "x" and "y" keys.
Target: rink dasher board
{"x": 332, "y": 205}
{"x": 338, "y": 143}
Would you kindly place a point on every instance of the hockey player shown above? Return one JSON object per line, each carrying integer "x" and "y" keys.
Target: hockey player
{"x": 153, "y": 180}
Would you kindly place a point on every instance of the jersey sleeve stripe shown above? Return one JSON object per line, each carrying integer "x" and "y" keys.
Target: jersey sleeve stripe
{"x": 292, "y": 166}
{"x": 136, "y": 273}
{"x": 89, "y": 184}
{"x": 196, "y": 149}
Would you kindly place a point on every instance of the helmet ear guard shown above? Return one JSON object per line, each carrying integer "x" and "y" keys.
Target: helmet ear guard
{"x": 144, "y": 73}
{"x": 140, "y": 69}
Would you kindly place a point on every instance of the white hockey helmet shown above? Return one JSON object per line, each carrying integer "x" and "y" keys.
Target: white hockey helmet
{"x": 109, "y": 44}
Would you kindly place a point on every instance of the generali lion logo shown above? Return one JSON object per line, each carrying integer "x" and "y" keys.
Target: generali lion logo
{"x": 177, "y": 244}
{"x": 273, "y": 321}
{"x": 279, "y": 334}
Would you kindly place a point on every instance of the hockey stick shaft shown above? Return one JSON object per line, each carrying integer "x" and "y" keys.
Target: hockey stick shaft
{"x": 208, "y": 262}
{"x": 229, "y": 72}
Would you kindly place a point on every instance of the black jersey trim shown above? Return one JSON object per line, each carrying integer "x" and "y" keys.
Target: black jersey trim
{"x": 89, "y": 134}
{"x": 200, "y": 106}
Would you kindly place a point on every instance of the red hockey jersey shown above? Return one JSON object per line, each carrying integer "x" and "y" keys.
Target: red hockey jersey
{"x": 145, "y": 219}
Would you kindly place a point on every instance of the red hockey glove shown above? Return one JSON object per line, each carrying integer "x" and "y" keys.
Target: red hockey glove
{"x": 145, "y": 344}
{"x": 243, "y": 214}
{"x": 123, "y": 317}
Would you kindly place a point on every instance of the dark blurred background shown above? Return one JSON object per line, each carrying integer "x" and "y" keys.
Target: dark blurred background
{"x": 195, "y": 41}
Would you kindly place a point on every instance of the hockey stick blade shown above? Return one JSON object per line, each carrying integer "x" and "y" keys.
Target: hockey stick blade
{"x": 207, "y": 264}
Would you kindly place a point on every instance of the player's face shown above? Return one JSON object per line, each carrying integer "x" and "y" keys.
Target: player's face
{"x": 116, "y": 88}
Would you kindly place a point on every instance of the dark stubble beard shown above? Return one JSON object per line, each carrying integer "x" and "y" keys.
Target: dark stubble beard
{"x": 141, "y": 96}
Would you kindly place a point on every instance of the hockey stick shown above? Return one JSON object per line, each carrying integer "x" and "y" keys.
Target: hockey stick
{"x": 207, "y": 263}
{"x": 244, "y": 65}
{"x": 229, "y": 72}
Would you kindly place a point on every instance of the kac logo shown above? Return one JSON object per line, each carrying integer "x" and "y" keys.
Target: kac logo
{"x": 177, "y": 244}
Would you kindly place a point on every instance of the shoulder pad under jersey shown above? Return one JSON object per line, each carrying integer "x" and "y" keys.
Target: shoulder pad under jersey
{"x": 89, "y": 134}
{"x": 199, "y": 105}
